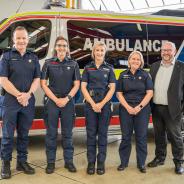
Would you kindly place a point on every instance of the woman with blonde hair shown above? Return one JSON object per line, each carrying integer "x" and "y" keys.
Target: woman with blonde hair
{"x": 98, "y": 87}
{"x": 134, "y": 91}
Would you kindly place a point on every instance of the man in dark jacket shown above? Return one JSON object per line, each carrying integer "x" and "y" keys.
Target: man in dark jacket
{"x": 168, "y": 79}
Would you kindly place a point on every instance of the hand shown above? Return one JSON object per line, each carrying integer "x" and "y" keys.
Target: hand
{"x": 99, "y": 106}
{"x": 61, "y": 102}
{"x": 137, "y": 109}
{"x": 23, "y": 98}
{"x": 131, "y": 110}
{"x": 96, "y": 108}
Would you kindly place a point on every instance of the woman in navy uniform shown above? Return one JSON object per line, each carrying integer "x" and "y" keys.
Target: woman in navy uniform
{"x": 134, "y": 91}
{"x": 98, "y": 87}
{"x": 64, "y": 81}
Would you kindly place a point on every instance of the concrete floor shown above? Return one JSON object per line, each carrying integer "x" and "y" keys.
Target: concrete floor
{"x": 160, "y": 175}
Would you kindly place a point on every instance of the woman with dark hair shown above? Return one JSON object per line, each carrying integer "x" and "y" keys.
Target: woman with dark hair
{"x": 134, "y": 91}
{"x": 64, "y": 81}
{"x": 98, "y": 86}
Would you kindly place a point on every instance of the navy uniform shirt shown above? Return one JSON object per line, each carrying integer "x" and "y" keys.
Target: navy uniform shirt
{"x": 20, "y": 70}
{"x": 134, "y": 87}
{"x": 98, "y": 78}
{"x": 61, "y": 75}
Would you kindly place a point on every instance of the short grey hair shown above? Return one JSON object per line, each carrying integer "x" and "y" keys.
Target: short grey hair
{"x": 141, "y": 56}
{"x": 20, "y": 28}
{"x": 170, "y": 43}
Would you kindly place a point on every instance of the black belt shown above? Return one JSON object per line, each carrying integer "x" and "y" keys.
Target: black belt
{"x": 160, "y": 105}
{"x": 60, "y": 96}
{"x": 94, "y": 93}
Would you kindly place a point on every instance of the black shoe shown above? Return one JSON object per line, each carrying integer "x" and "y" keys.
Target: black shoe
{"x": 91, "y": 168}
{"x": 178, "y": 167}
{"x": 121, "y": 167}
{"x": 70, "y": 166}
{"x": 155, "y": 162}
{"x": 25, "y": 167}
{"x": 50, "y": 168}
{"x": 179, "y": 170}
{"x": 5, "y": 170}
{"x": 142, "y": 169}
{"x": 100, "y": 168}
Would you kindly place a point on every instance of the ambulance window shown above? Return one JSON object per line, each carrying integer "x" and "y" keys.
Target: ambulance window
{"x": 120, "y": 39}
{"x": 39, "y": 35}
{"x": 161, "y": 33}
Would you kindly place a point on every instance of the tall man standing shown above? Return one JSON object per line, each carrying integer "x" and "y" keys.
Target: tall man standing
{"x": 20, "y": 77}
{"x": 168, "y": 79}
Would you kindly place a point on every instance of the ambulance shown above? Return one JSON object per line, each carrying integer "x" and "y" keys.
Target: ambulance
{"x": 122, "y": 33}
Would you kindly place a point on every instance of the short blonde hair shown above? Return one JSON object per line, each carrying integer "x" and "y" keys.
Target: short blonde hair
{"x": 96, "y": 44}
{"x": 141, "y": 56}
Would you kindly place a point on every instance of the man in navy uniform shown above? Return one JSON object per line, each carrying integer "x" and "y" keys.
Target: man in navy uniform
{"x": 20, "y": 77}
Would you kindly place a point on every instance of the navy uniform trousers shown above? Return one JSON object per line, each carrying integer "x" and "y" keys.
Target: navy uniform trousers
{"x": 138, "y": 123}
{"x": 67, "y": 117}
{"x": 97, "y": 124}
{"x": 20, "y": 118}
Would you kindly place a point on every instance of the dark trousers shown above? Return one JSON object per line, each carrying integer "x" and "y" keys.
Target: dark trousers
{"x": 138, "y": 123}
{"x": 19, "y": 118}
{"x": 163, "y": 123}
{"x": 97, "y": 125}
{"x": 67, "y": 118}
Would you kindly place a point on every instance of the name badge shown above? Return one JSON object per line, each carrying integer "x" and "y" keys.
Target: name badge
{"x": 107, "y": 69}
{"x": 14, "y": 59}
{"x": 126, "y": 77}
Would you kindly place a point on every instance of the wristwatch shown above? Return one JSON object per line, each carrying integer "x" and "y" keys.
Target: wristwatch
{"x": 31, "y": 93}
{"x": 69, "y": 97}
{"x": 141, "y": 106}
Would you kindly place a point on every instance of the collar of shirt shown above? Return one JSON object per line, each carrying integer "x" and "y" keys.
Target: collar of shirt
{"x": 94, "y": 64}
{"x": 58, "y": 60}
{"x": 172, "y": 63}
{"x": 15, "y": 50}
{"x": 137, "y": 71}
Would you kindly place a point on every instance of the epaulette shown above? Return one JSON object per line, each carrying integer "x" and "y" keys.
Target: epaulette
{"x": 124, "y": 72}
{"x": 88, "y": 65}
{"x": 6, "y": 50}
{"x": 31, "y": 50}
{"x": 51, "y": 59}
{"x": 108, "y": 64}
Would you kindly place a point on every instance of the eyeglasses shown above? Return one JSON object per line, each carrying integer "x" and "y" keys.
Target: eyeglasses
{"x": 166, "y": 50}
{"x": 60, "y": 45}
